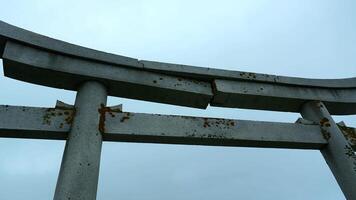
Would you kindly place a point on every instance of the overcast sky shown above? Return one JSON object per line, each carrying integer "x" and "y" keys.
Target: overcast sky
{"x": 295, "y": 38}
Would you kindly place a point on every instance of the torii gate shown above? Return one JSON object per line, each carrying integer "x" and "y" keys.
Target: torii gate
{"x": 38, "y": 59}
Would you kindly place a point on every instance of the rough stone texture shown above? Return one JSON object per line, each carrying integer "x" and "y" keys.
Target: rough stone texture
{"x": 79, "y": 172}
{"x": 54, "y": 123}
{"x": 9, "y": 32}
{"x": 138, "y": 127}
{"x": 338, "y": 154}
{"x": 267, "y": 96}
{"x": 207, "y": 73}
{"x": 55, "y": 70}
{"x": 13, "y": 33}
{"x": 38, "y": 59}
{"x": 35, "y": 123}
{"x": 41, "y": 60}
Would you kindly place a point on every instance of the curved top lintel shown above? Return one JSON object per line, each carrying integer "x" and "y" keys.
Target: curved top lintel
{"x": 38, "y": 59}
{"x": 10, "y": 32}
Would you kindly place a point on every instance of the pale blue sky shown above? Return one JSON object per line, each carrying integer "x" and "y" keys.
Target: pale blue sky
{"x": 296, "y": 38}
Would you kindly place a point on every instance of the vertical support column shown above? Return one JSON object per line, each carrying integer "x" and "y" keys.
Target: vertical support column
{"x": 338, "y": 154}
{"x": 79, "y": 172}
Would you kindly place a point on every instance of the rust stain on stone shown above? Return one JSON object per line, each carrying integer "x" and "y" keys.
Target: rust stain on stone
{"x": 351, "y": 154}
{"x": 125, "y": 117}
{"x": 54, "y": 112}
{"x": 349, "y": 133}
{"x": 219, "y": 123}
{"x": 248, "y": 75}
{"x": 325, "y": 122}
{"x": 102, "y": 111}
{"x": 349, "y": 151}
{"x": 326, "y": 134}
{"x": 70, "y": 117}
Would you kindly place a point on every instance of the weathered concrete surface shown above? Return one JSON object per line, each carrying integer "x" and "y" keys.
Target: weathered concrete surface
{"x": 79, "y": 172}
{"x": 267, "y": 96}
{"x": 35, "y": 123}
{"x": 209, "y": 74}
{"x": 10, "y": 32}
{"x": 13, "y": 33}
{"x": 338, "y": 153}
{"x": 137, "y": 127}
{"x": 51, "y": 123}
{"x": 55, "y": 70}
{"x": 349, "y": 133}
{"x": 41, "y": 60}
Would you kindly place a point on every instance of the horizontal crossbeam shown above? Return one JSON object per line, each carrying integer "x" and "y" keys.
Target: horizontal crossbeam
{"x": 35, "y": 123}
{"x": 115, "y": 125}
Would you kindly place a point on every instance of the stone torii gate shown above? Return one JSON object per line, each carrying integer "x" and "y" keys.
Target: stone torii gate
{"x": 37, "y": 59}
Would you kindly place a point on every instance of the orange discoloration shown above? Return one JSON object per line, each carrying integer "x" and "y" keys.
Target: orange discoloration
{"x": 325, "y": 122}
{"x": 102, "y": 111}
